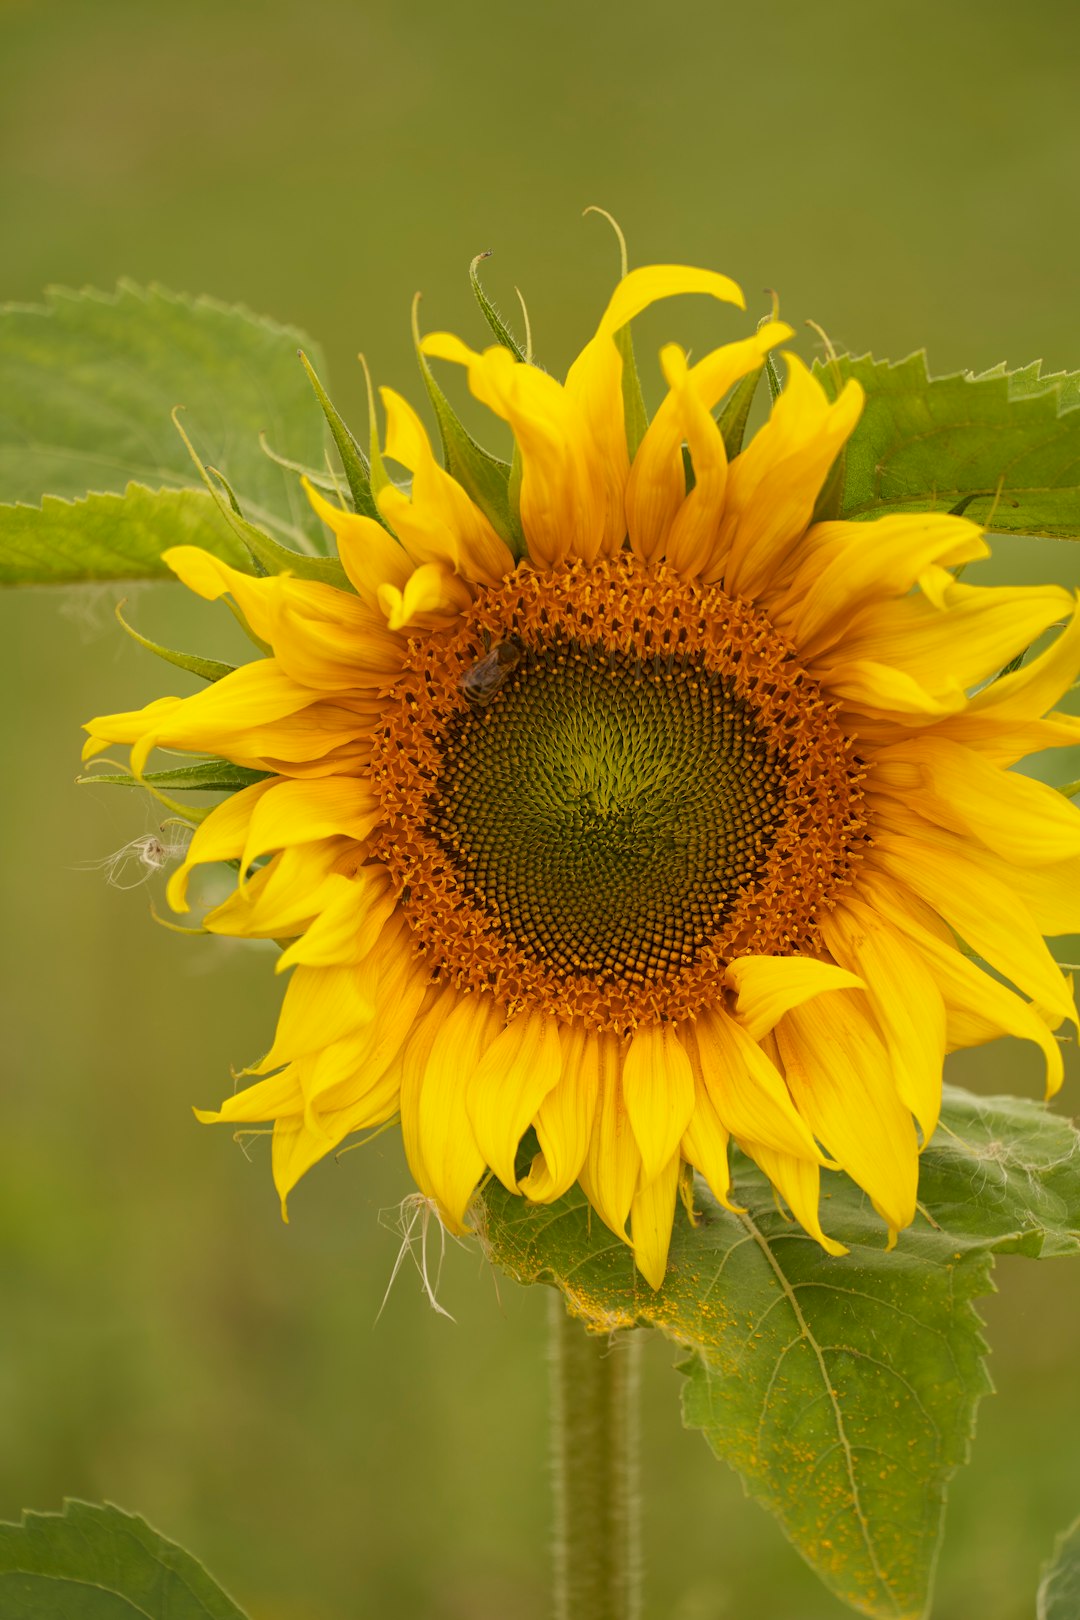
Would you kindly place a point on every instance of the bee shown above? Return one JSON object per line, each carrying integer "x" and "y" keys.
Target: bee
{"x": 482, "y": 680}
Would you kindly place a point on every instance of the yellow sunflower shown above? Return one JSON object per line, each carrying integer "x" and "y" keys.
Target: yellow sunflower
{"x": 691, "y": 824}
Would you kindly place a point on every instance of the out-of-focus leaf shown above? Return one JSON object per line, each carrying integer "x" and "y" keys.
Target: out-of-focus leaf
{"x": 87, "y": 384}
{"x": 1059, "y": 1589}
{"x": 843, "y": 1390}
{"x": 99, "y": 1563}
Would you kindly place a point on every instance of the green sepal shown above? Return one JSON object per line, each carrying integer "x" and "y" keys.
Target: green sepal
{"x": 269, "y": 553}
{"x": 353, "y": 460}
{"x": 213, "y": 776}
{"x": 776, "y": 387}
{"x": 735, "y": 414}
{"x": 634, "y": 412}
{"x": 208, "y": 669}
{"x": 502, "y": 332}
{"x": 94, "y": 1562}
{"x": 481, "y": 475}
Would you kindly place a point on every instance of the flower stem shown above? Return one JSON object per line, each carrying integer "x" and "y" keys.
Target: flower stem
{"x": 594, "y": 1388}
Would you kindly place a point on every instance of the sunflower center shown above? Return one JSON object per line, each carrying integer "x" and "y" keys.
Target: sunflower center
{"x": 604, "y": 782}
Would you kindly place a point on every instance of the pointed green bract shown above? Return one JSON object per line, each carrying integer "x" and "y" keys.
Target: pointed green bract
{"x": 99, "y": 1563}
{"x": 1005, "y": 443}
{"x": 733, "y": 418}
{"x": 483, "y": 476}
{"x": 88, "y": 382}
{"x": 208, "y": 669}
{"x": 212, "y": 776}
{"x": 498, "y": 326}
{"x": 353, "y": 460}
{"x": 860, "y": 1373}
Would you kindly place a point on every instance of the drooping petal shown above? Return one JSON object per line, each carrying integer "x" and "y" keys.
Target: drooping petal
{"x": 651, "y": 1216}
{"x": 610, "y": 1174}
{"x": 507, "y": 1086}
{"x": 904, "y": 996}
{"x": 658, "y": 1091}
{"x": 798, "y": 1181}
{"x": 370, "y": 555}
{"x": 766, "y": 987}
{"x": 453, "y": 1162}
{"x": 705, "y": 1145}
{"x": 746, "y": 1089}
{"x": 843, "y": 1085}
{"x": 564, "y": 1120}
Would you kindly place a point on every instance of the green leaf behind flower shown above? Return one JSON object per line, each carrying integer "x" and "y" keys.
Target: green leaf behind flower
{"x": 87, "y": 385}
{"x": 1059, "y": 1589}
{"x": 1006, "y": 443}
{"x": 843, "y": 1391}
{"x": 99, "y": 1563}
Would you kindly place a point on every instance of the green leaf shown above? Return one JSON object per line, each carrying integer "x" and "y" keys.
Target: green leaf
{"x": 213, "y": 776}
{"x": 843, "y": 1391}
{"x": 1059, "y": 1589}
{"x": 110, "y": 537}
{"x": 733, "y": 418}
{"x": 1007, "y": 443}
{"x": 87, "y": 384}
{"x": 99, "y": 1563}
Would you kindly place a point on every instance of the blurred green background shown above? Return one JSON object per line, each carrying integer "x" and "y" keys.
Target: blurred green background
{"x": 904, "y": 175}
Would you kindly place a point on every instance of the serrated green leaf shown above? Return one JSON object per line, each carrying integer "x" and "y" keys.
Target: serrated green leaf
{"x": 1007, "y": 443}
{"x": 99, "y": 1563}
{"x": 87, "y": 384}
{"x": 1059, "y": 1589}
{"x": 213, "y": 776}
{"x": 842, "y": 1390}
{"x": 110, "y": 537}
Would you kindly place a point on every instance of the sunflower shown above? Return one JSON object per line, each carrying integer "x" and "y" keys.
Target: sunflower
{"x": 688, "y": 821}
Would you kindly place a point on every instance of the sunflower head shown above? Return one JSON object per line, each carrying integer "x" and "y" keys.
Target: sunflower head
{"x": 633, "y": 807}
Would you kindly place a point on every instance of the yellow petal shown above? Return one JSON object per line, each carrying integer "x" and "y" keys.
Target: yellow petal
{"x": 452, "y": 1161}
{"x": 507, "y": 1086}
{"x": 351, "y": 916}
{"x": 746, "y": 1089}
{"x": 431, "y": 592}
{"x": 798, "y": 1181}
{"x": 705, "y": 1145}
{"x": 442, "y": 522}
{"x": 656, "y": 487}
{"x": 594, "y": 381}
{"x": 221, "y": 837}
{"x": 849, "y": 564}
{"x": 658, "y": 1092}
{"x": 369, "y": 553}
{"x": 651, "y": 1216}
{"x": 766, "y": 987}
{"x": 303, "y": 812}
{"x": 563, "y": 503}
{"x": 564, "y": 1120}
{"x": 609, "y": 1176}
{"x": 774, "y": 484}
{"x": 983, "y": 909}
{"x": 904, "y": 996}
{"x": 1024, "y": 821}
{"x": 843, "y": 1086}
